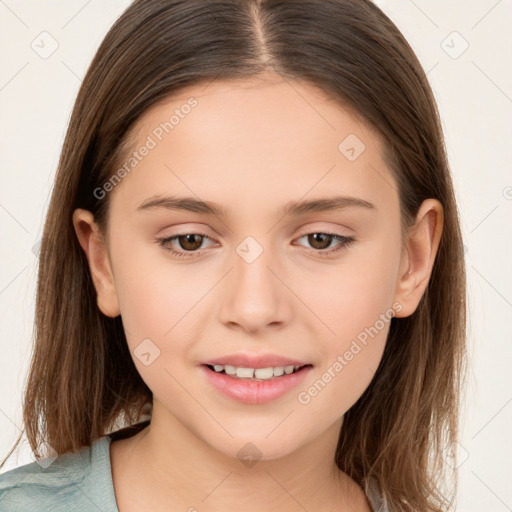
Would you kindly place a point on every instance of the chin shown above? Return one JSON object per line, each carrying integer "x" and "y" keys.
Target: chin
{"x": 252, "y": 449}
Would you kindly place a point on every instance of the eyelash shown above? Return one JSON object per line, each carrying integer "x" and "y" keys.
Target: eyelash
{"x": 345, "y": 241}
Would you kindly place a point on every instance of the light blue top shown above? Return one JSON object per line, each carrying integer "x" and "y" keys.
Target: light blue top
{"x": 75, "y": 482}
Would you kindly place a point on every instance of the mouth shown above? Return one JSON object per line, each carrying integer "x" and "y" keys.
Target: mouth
{"x": 256, "y": 374}
{"x": 255, "y": 386}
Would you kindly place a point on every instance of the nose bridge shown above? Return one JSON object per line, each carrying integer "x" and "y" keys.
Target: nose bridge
{"x": 252, "y": 275}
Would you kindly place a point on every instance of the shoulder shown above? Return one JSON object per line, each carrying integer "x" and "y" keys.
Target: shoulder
{"x": 375, "y": 496}
{"x": 72, "y": 482}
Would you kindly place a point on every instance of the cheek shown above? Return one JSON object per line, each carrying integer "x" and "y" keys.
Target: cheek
{"x": 154, "y": 292}
{"x": 350, "y": 358}
{"x": 354, "y": 301}
{"x": 157, "y": 303}
{"x": 352, "y": 294}
{"x": 164, "y": 308}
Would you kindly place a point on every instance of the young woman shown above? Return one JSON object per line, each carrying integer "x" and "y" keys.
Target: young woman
{"x": 253, "y": 239}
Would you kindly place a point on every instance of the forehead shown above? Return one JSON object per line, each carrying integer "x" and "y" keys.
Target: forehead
{"x": 263, "y": 101}
{"x": 264, "y": 138}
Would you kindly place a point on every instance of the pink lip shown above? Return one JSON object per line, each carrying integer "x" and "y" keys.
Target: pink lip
{"x": 255, "y": 392}
{"x": 255, "y": 361}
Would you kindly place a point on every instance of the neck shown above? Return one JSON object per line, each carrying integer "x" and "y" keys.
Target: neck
{"x": 170, "y": 467}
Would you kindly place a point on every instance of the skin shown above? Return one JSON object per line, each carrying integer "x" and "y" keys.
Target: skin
{"x": 252, "y": 146}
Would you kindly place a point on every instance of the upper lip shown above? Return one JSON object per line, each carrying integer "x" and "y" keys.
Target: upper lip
{"x": 255, "y": 361}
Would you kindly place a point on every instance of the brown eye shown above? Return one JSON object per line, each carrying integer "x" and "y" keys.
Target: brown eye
{"x": 185, "y": 245}
{"x": 321, "y": 244}
{"x": 320, "y": 240}
{"x": 190, "y": 242}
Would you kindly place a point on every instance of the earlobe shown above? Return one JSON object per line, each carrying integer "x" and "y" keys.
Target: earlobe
{"x": 419, "y": 254}
{"x": 95, "y": 249}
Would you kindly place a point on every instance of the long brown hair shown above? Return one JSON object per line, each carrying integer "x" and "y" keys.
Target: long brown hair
{"x": 83, "y": 383}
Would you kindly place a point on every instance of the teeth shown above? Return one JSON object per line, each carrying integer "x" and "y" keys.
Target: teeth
{"x": 264, "y": 373}
{"x": 245, "y": 373}
{"x": 255, "y": 373}
{"x": 230, "y": 370}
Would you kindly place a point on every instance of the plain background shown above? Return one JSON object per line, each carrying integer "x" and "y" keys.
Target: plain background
{"x": 473, "y": 87}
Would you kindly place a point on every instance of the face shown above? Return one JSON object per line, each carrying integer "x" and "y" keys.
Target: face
{"x": 297, "y": 261}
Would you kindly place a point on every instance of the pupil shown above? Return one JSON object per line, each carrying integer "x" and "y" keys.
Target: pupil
{"x": 317, "y": 240}
{"x": 186, "y": 245}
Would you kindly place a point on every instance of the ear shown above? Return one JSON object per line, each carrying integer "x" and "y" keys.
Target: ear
{"x": 95, "y": 249}
{"x": 418, "y": 256}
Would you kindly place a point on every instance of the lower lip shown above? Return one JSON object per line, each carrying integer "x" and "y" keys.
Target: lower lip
{"x": 255, "y": 392}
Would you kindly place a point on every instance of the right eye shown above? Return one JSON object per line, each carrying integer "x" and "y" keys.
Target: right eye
{"x": 190, "y": 243}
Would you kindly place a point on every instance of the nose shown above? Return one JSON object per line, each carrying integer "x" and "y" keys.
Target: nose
{"x": 254, "y": 296}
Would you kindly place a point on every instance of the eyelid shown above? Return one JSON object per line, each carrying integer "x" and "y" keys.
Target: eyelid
{"x": 336, "y": 229}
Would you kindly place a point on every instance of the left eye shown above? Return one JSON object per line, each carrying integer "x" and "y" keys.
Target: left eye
{"x": 191, "y": 242}
{"x": 322, "y": 241}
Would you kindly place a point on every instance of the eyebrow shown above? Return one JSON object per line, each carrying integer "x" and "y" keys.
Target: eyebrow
{"x": 292, "y": 208}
